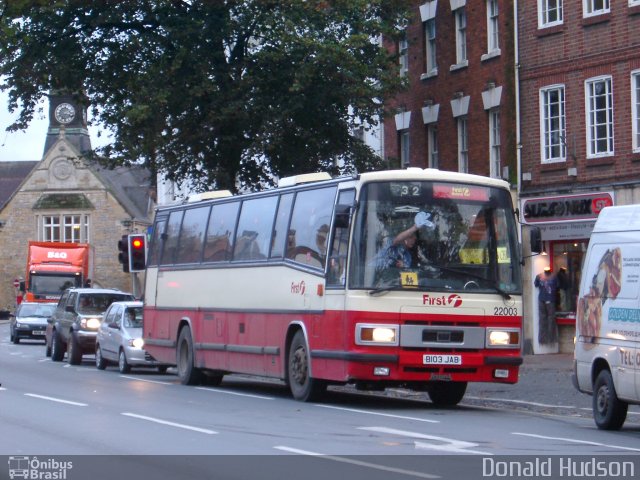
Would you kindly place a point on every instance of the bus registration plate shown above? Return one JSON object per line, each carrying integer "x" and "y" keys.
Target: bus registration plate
{"x": 442, "y": 359}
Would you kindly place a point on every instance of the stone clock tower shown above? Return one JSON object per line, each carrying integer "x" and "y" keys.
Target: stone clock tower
{"x": 67, "y": 115}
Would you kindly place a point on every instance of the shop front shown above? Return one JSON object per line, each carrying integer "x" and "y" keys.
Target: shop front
{"x": 565, "y": 223}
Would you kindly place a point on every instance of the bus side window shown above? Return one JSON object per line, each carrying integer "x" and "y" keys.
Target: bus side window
{"x": 192, "y": 235}
{"x": 255, "y": 225}
{"x": 220, "y": 233}
{"x": 171, "y": 243}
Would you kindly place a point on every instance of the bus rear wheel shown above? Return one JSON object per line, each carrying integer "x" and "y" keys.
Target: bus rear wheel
{"x": 446, "y": 394}
{"x": 303, "y": 387}
{"x": 185, "y": 360}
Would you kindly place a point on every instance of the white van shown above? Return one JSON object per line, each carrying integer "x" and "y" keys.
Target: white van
{"x": 607, "y": 352}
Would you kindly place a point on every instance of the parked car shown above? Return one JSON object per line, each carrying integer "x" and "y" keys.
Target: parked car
{"x": 74, "y": 324}
{"x": 30, "y": 321}
{"x": 120, "y": 341}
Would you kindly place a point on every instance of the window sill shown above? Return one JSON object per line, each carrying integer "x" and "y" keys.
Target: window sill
{"x": 634, "y": 9}
{"x": 553, "y": 167}
{"x": 459, "y": 66}
{"x": 600, "y": 161}
{"x": 546, "y": 31}
{"x": 426, "y": 76}
{"x": 489, "y": 55}
{"x": 596, "y": 19}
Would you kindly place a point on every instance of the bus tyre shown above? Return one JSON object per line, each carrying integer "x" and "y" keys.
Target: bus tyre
{"x": 188, "y": 373}
{"x": 446, "y": 394}
{"x": 57, "y": 353}
{"x": 303, "y": 387}
{"x": 609, "y": 412}
{"x": 75, "y": 352}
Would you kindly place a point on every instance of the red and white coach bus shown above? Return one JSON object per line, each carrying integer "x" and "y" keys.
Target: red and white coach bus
{"x": 289, "y": 283}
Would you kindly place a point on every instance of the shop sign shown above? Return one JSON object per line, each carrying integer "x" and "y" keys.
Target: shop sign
{"x": 565, "y": 208}
{"x": 566, "y": 231}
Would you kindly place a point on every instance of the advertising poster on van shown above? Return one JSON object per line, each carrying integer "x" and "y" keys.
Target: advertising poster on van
{"x": 609, "y": 304}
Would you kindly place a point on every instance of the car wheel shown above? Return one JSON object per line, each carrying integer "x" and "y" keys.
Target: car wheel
{"x": 123, "y": 365}
{"x": 75, "y": 352}
{"x": 609, "y": 412}
{"x": 57, "y": 353}
{"x": 101, "y": 363}
{"x": 47, "y": 349}
{"x": 14, "y": 338}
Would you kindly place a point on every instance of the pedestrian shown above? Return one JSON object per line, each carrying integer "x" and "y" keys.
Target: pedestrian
{"x": 547, "y": 283}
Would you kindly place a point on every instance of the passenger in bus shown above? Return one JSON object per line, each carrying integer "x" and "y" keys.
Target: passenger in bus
{"x": 402, "y": 250}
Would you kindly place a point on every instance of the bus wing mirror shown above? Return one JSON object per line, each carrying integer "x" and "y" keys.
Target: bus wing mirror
{"x": 343, "y": 215}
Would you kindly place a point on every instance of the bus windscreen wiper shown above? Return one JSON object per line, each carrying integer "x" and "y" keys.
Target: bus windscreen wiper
{"x": 472, "y": 275}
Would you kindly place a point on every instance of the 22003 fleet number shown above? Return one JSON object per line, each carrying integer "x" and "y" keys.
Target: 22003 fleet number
{"x": 505, "y": 311}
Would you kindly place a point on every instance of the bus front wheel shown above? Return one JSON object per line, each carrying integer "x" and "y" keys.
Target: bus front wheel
{"x": 303, "y": 386}
{"x": 185, "y": 359}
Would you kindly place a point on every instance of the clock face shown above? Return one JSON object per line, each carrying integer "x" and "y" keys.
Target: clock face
{"x": 65, "y": 113}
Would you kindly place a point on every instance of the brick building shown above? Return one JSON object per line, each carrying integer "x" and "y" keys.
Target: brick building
{"x": 580, "y": 147}
{"x": 459, "y": 113}
{"x": 64, "y": 197}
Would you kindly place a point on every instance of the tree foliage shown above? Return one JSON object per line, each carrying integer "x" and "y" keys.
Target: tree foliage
{"x": 225, "y": 93}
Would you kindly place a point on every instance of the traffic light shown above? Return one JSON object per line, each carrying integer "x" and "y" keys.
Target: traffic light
{"x": 137, "y": 252}
{"x": 123, "y": 256}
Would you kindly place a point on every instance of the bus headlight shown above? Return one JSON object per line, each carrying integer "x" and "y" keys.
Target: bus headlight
{"x": 503, "y": 337}
{"x": 372, "y": 334}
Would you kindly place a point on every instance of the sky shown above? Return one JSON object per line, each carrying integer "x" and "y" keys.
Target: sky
{"x": 28, "y": 145}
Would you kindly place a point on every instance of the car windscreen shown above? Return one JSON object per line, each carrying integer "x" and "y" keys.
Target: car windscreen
{"x": 97, "y": 303}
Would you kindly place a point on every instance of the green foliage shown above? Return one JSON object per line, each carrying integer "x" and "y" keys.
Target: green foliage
{"x": 224, "y": 92}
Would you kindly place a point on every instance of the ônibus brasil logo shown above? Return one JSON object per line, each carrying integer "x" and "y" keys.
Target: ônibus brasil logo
{"x": 452, "y": 300}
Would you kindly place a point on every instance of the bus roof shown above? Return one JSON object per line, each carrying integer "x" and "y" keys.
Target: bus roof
{"x": 306, "y": 180}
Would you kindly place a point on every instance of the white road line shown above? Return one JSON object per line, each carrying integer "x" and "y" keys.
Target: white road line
{"x": 44, "y": 360}
{"x": 450, "y": 445}
{"x": 228, "y": 392}
{"x": 571, "y": 440}
{"x": 523, "y": 402}
{"x": 2, "y": 388}
{"x": 59, "y": 400}
{"x": 375, "y": 466}
{"x": 367, "y": 412}
{"x": 171, "y": 424}
{"x": 145, "y": 380}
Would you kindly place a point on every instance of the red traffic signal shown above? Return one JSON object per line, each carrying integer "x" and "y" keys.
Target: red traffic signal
{"x": 137, "y": 252}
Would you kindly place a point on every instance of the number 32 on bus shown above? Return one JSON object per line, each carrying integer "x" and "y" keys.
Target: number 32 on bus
{"x": 296, "y": 283}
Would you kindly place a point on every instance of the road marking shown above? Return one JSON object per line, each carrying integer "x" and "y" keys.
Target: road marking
{"x": 59, "y": 400}
{"x": 171, "y": 424}
{"x": 367, "y": 412}
{"x": 375, "y": 466}
{"x": 447, "y": 445}
{"x": 524, "y": 402}
{"x": 228, "y": 392}
{"x": 571, "y": 440}
{"x": 44, "y": 360}
{"x": 145, "y": 380}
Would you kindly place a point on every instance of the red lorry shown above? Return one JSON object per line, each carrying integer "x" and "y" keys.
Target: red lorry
{"x": 52, "y": 267}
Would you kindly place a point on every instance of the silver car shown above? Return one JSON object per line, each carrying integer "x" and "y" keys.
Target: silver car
{"x": 30, "y": 321}
{"x": 119, "y": 339}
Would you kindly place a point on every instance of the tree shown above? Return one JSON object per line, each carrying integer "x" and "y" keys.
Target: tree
{"x": 225, "y": 93}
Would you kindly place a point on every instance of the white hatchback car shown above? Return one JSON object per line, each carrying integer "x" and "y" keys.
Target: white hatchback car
{"x": 119, "y": 339}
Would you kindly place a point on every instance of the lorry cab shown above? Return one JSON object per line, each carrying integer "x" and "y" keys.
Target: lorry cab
{"x": 607, "y": 351}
